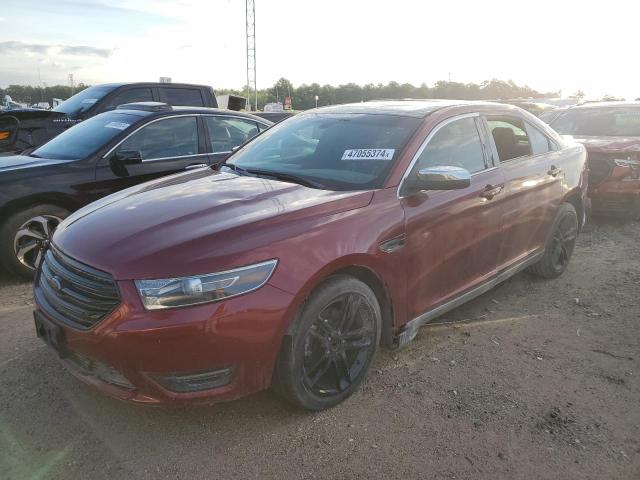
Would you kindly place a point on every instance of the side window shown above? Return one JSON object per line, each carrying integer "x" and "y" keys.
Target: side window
{"x": 171, "y": 137}
{"x": 510, "y": 137}
{"x": 455, "y": 144}
{"x": 129, "y": 95}
{"x": 189, "y": 97}
{"x": 539, "y": 141}
{"x": 226, "y": 133}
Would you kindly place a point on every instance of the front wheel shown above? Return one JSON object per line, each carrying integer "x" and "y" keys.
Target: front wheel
{"x": 334, "y": 340}
{"x": 560, "y": 245}
{"x": 25, "y": 235}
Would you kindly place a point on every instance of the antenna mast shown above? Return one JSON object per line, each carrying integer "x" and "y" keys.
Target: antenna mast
{"x": 251, "y": 55}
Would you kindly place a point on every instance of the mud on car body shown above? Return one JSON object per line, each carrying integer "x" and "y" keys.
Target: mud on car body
{"x": 106, "y": 153}
{"x": 336, "y": 231}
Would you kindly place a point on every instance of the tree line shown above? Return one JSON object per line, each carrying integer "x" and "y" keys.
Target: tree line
{"x": 29, "y": 94}
{"x": 304, "y": 96}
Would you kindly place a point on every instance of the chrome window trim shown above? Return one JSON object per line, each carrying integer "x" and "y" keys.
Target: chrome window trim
{"x": 428, "y": 139}
{"x": 112, "y": 149}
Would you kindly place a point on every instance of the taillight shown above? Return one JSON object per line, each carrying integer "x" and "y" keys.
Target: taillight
{"x": 4, "y": 134}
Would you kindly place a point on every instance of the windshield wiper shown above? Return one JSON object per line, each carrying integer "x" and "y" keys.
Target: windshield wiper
{"x": 235, "y": 168}
{"x": 285, "y": 177}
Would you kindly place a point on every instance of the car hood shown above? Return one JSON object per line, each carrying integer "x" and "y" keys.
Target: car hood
{"x": 33, "y": 113}
{"x": 197, "y": 222}
{"x": 609, "y": 144}
{"x": 19, "y": 162}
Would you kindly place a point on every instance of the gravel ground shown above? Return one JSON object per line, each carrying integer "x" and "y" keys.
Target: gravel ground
{"x": 535, "y": 379}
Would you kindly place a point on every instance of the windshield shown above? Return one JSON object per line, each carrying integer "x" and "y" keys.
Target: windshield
{"x": 83, "y": 139}
{"x": 334, "y": 151}
{"x": 83, "y": 100}
{"x": 605, "y": 122}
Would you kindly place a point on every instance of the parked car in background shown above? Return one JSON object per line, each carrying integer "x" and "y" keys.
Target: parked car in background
{"x": 109, "y": 152}
{"x": 611, "y": 133}
{"x": 276, "y": 117}
{"x": 22, "y": 130}
{"x": 330, "y": 233}
{"x": 536, "y": 108}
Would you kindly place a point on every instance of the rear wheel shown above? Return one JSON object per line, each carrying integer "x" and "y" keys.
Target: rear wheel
{"x": 560, "y": 245}
{"x": 335, "y": 339}
{"x": 24, "y": 236}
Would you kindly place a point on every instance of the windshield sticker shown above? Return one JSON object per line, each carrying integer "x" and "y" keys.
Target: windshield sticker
{"x": 369, "y": 154}
{"x": 118, "y": 125}
{"x": 89, "y": 101}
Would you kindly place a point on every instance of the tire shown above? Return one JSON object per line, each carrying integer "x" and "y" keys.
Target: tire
{"x": 560, "y": 244}
{"x": 23, "y": 236}
{"x": 326, "y": 340}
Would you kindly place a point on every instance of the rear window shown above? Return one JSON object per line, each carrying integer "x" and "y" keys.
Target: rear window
{"x": 190, "y": 97}
{"x": 606, "y": 122}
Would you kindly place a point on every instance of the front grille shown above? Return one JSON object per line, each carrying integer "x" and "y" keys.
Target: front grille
{"x": 73, "y": 293}
{"x": 600, "y": 168}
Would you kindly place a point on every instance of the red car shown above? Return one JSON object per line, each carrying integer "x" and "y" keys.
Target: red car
{"x": 336, "y": 231}
{"x": 611, "y": 133}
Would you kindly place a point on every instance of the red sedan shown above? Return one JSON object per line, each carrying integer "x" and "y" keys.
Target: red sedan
{"x": 610, "y": 132}
{"x": 341, "y": 229}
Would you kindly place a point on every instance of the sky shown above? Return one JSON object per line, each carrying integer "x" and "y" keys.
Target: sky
{"x": 549, "y": 45}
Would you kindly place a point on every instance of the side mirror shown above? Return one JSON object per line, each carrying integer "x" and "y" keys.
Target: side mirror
{"x": 127, "y": 157}
{"x": 440, "y": 178}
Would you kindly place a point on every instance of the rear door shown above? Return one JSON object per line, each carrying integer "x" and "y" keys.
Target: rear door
{"x": 225, "y": 133}
{"x": 528, "y": 160}
{"x": 453, "y": 237}
{"x": 166, "y": 145}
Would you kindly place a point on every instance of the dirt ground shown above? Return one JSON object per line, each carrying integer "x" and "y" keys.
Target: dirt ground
{"x": 535, "y": 379}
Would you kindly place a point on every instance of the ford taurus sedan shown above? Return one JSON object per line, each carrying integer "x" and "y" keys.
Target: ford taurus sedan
{"x": 341, "y": 229}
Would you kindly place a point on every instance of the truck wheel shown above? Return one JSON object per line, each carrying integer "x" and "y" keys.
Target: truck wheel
{"x": 335, "y": 338}
{"x": 560, "y": 245}
{"x": 24, "y": 236}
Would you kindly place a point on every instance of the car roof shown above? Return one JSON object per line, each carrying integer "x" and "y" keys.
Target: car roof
{"x": 183, "y": 110}
{"x": 623, "y": 104}
{"x": 122, "y": 84}
{"x": 407, "y": 108}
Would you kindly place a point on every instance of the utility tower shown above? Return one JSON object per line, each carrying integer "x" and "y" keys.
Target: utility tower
{"x": 252, "y": 89}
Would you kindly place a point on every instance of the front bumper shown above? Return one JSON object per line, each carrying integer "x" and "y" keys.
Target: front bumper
{"x": 242, "y": 334}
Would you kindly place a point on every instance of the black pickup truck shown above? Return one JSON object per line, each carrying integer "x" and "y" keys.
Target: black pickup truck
{"x": 24, "y": 130}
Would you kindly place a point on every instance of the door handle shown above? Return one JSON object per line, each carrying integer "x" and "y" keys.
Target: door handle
{"x": 491, "y": 191}
{"x": 196, "y": 165}
{"x": 554, "y": 171}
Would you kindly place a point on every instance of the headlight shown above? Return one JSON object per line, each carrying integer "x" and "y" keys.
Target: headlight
{"x": 180, "y": 292}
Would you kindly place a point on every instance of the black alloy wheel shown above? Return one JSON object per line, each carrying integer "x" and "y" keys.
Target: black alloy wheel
{"x": 338, "y": 344}
{"x": 331, "y": 345}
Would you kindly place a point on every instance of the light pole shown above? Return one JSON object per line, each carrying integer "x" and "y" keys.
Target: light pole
{"x": 316, "y": 101}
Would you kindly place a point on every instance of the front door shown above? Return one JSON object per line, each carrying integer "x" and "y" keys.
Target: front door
{"x": 166, "y": 146}
{"x": 453, "y": 236}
